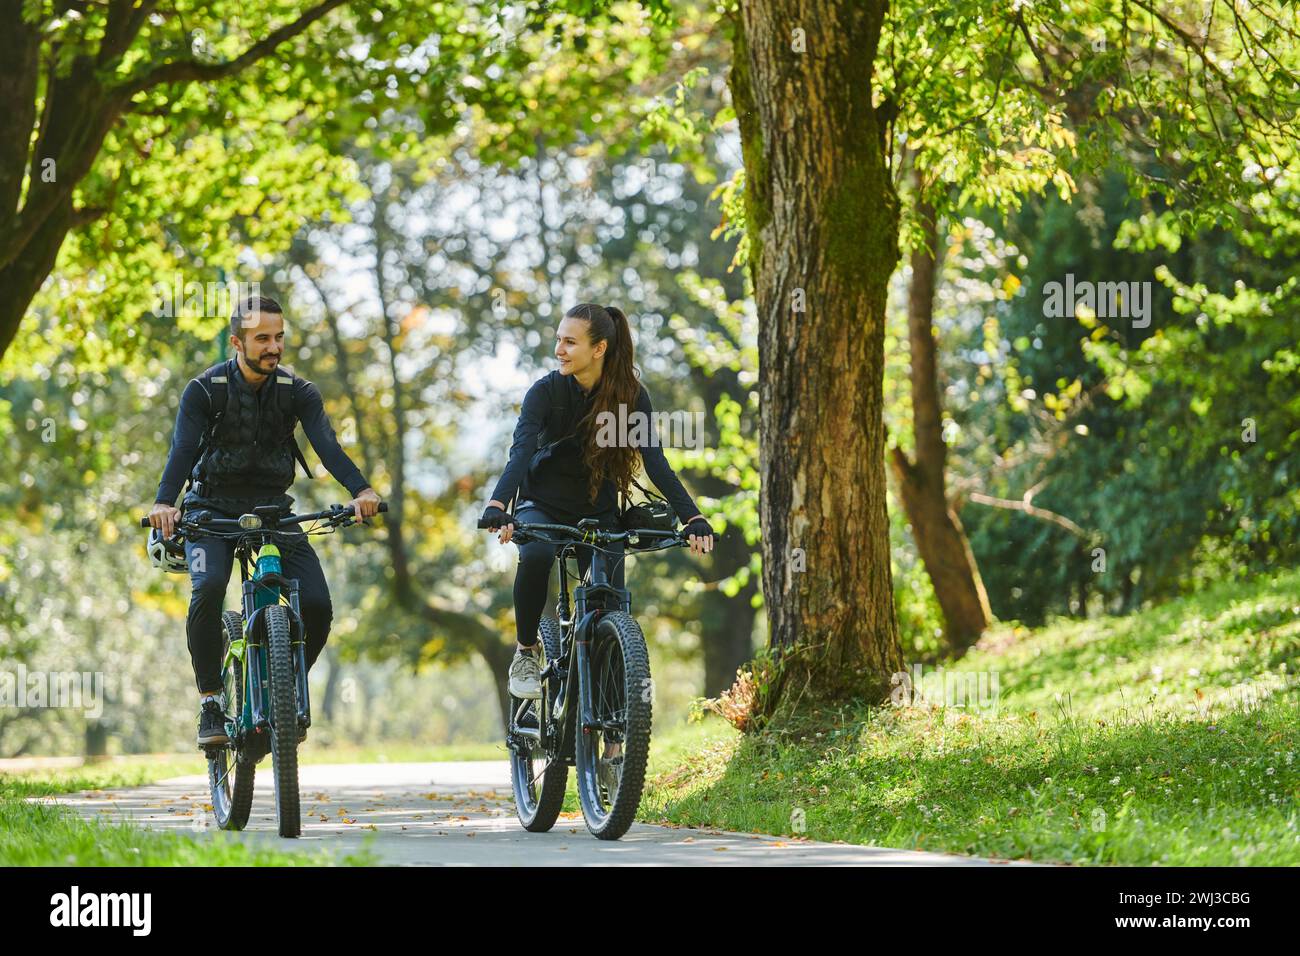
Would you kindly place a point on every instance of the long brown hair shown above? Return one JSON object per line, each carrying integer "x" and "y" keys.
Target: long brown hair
{"x": 619, "y": 384}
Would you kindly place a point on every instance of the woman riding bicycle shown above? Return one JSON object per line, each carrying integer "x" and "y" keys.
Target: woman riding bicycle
{"x": 565, "y": 468}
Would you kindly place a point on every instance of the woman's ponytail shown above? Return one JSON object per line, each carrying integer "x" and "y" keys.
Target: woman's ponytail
{"x": 621, "y": 362}
{"x": 620, "y": 384}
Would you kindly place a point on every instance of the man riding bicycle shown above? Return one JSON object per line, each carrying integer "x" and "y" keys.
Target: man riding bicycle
{"x": 234, "y": 437}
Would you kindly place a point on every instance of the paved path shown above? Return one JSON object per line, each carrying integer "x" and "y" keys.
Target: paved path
{"x": 431, "y": 814}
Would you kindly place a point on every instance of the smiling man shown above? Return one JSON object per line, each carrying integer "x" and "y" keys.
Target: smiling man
{"x": 234, "y": 437}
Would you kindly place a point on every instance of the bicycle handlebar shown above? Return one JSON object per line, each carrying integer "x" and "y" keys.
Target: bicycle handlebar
{"x": 588, "y": 535}
{"x": 232, "y": 524}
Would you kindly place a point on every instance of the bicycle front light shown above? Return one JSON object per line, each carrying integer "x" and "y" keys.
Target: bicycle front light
{"x": 250, "y": 522}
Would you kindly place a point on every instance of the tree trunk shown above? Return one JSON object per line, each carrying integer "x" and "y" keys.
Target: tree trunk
{"x": 936, "y": 528}
{"x": 23, "y": 277}
{"x": 822, "y": 226}
{"x": 96, "y": 740}
{"x": 330, "y": 695}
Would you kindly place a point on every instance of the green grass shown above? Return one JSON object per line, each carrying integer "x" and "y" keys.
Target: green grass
{"x": 1167, "y": 737}
{"x": 37, "y": 834}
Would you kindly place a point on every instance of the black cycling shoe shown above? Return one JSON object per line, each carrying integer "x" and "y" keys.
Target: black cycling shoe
{"x": 212, "y": 724}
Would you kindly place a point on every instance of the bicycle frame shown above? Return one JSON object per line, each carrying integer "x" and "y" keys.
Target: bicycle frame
{"x": 576, "y": 643}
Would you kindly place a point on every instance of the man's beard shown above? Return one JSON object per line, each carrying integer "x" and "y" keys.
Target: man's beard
{"x": 261, "y": 366}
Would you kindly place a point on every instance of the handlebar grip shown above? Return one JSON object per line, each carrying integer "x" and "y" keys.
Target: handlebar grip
{"x": 144, "y": 522}
{"x": 485, "y": 524}
{"x": 383, "y": 507}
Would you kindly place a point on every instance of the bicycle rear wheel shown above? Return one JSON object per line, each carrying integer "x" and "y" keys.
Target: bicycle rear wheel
{"x": 231, "y": 778}
{"x": 284, "y": 720}
{"x": 612, "y": 750}
{"x": 537, "y": 777}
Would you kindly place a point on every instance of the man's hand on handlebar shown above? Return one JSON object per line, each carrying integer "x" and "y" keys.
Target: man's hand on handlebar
{"x": 365, "y": 504}
{"x": 164, "y": 517}
{"x": 495, "y": 518}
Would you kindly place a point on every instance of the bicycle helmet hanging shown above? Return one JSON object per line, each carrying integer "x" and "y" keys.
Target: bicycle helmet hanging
{"x": 167, "y": 554}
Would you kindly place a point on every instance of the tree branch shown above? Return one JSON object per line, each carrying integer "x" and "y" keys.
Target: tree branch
{"x": 187, "y": 71}
{"x": 124, "y": 24}
{"x": 1032, "y": 510}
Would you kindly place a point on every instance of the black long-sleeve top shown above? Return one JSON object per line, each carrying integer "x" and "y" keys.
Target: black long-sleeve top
{"x": 308, "y": 407}
{"x": 559, "y": 490}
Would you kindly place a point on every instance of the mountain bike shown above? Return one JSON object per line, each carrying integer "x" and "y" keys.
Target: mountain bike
{"x": 264, "y": 663}
{"x": 595, "y": 710}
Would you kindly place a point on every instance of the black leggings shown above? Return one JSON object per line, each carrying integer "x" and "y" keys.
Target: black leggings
{"x": 536, "y": 561}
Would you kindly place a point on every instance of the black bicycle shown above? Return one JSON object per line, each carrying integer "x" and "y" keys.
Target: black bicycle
{"x": 264, "y": 663}
{"x": 595, "y": 708}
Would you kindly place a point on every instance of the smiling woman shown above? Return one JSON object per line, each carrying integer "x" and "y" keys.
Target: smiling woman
{"x": 562, "y": 471}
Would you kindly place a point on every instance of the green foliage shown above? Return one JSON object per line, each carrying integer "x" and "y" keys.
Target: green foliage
{"x": 1099, "y": 414}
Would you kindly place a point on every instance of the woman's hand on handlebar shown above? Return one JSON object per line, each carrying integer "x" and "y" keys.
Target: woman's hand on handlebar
{"x": 495, "y": 517}
{"x": 699, "y": 533}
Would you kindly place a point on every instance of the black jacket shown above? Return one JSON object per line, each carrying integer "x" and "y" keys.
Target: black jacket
{"x": 546, "y": 458}
{"x": 251, "y": 457}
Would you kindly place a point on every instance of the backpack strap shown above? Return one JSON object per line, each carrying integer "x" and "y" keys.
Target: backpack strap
{"x": 285, "y": 382}
{"x": 215, "y": 383}
{"x": 625, "y": 501}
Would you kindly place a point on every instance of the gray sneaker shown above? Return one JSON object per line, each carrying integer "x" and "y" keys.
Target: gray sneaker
{"x": 525, "y": 676}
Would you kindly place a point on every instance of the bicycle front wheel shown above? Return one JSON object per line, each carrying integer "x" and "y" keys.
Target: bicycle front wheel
{"x": 613, "y": 747}
{"x": 284, "y": 720}
{"x": 230, "y": 778}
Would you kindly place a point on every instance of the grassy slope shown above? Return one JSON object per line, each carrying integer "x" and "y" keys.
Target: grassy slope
{"x": 1167, "y": 737}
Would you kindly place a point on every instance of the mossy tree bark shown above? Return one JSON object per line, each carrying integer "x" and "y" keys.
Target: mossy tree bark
{"x": 822, "y": 222}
